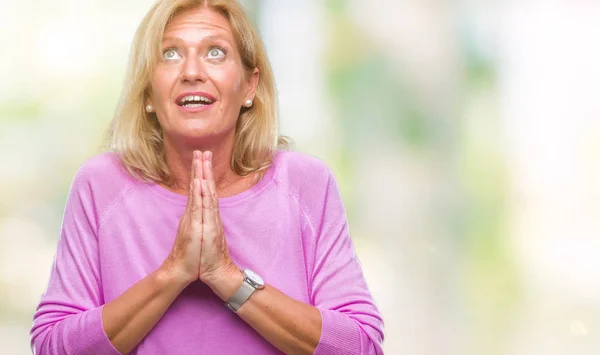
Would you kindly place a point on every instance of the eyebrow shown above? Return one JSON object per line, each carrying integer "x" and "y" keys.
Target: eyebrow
{"x": 205, "y": 39}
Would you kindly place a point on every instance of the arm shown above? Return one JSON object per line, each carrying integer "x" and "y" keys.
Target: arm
{"x": 130, "y": 317}
{"x": 68, "y": 323}
{"x": 344, "y": 319}
{"x": 71, "y": 317}
{"x": 68, "y": 319}
{"x": 291, "y": 326}
{"x": 351, "y": 323}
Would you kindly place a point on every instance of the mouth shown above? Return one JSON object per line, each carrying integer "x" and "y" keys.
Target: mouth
{"x": 195, "y": 100}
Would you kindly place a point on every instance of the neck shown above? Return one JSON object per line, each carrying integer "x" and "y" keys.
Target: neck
{"x": 179, "y": 160}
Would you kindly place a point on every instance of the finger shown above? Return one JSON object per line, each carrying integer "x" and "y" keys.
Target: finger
{"x": 192, "y": 177}
{"x": 212, "y": 192}
{"x": 208, "y": 177}
{"x": 211, "y": 182}
{"x": 197, "y": 201}
{"x": 207, "y": 166}
{"x": 198, "y": 167}
{"x": 197, "y": 188}
{"x": 208, "y": 213}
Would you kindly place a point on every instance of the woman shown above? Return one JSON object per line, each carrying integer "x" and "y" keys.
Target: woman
{"x": 193, "y": 204}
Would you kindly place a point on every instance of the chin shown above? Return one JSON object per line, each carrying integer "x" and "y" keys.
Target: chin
{"x": 196, "y": 132}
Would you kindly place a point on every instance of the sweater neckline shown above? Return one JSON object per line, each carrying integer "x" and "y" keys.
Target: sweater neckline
{"x": 254, "y": 190}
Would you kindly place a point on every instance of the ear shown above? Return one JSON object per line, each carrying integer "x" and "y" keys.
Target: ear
{"x": 252, "y": 83}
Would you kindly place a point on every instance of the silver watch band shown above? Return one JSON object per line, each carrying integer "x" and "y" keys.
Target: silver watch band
{"x": 240, "y": 296}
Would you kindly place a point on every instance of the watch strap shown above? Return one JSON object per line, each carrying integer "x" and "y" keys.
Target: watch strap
{"x": 240, "y": 296}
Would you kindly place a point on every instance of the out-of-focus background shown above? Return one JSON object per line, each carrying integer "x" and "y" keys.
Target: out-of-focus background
{"x": 465, "y": 136}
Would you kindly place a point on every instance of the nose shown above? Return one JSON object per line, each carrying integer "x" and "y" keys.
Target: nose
{"x": 193, "y": 70}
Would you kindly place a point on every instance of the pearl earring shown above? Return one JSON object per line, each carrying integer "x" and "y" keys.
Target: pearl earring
{"x": 149, "y": 108}
{"x": 248, "y": 103}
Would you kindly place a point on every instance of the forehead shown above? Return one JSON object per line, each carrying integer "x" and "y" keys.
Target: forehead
{"x": 198, "y": 21}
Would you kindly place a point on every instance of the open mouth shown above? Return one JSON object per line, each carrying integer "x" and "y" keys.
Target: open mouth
{"x": 195, "y": 101}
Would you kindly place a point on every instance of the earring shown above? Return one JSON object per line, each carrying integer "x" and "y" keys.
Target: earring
{"x": 248, "y": 103}
{"x": 149, "y": 108}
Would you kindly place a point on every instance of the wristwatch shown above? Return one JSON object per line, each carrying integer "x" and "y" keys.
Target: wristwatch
{"x": 251, "y": 283}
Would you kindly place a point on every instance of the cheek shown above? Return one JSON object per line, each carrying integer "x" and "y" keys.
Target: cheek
{"x": 161, "y": 84}
{"x": 228, "y": 82}
{"x": 236, "y": 83}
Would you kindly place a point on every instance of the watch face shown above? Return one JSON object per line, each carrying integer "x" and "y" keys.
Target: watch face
{"x": 254, "y": 278}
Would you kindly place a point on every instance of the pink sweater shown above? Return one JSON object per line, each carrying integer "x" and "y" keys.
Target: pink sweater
{"x": 290, "y": 228}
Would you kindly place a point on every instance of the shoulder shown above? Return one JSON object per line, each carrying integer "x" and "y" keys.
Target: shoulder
{"x": 305, "y": 177}
{"x": 100, "y": 162}
{"x": 102, "y": 169}
{"x": 312, "y": 185}
{"x": 296, "y": 167}
{"x": 101, "y": 180}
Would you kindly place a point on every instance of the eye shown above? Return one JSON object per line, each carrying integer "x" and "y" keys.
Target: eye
{"x": 171, "y": 54}
{"x": 216, "y": 53}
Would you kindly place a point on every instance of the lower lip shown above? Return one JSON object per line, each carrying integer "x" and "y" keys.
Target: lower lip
{"x": 195, "y": 109}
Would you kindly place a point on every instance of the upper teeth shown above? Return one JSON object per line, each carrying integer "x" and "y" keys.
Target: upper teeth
{"x": 191, "y": 98}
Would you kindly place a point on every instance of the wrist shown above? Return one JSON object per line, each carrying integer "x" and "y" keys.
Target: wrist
{"x": 225, "y": 282}
{"x": 170, "y": 274}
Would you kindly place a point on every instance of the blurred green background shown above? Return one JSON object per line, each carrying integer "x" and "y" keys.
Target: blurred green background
{"x": 465, "y": 136}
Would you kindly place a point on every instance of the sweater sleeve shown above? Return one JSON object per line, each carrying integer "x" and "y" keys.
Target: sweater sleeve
{"x": 68, "y": 319}
{"x": 351, "y": 323}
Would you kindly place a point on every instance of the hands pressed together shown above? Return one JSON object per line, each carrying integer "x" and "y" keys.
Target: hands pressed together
{"x": 200, "y": 251}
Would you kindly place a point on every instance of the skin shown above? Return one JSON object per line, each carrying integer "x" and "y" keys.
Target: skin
{"x": 192, "y": 40}
{"x": 198, "y": 149}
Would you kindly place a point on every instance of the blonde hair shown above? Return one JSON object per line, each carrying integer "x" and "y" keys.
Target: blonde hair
{"x": 137, "y": 136}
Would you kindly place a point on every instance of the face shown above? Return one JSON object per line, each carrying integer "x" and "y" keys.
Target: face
{"x": 200, "y": 85}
